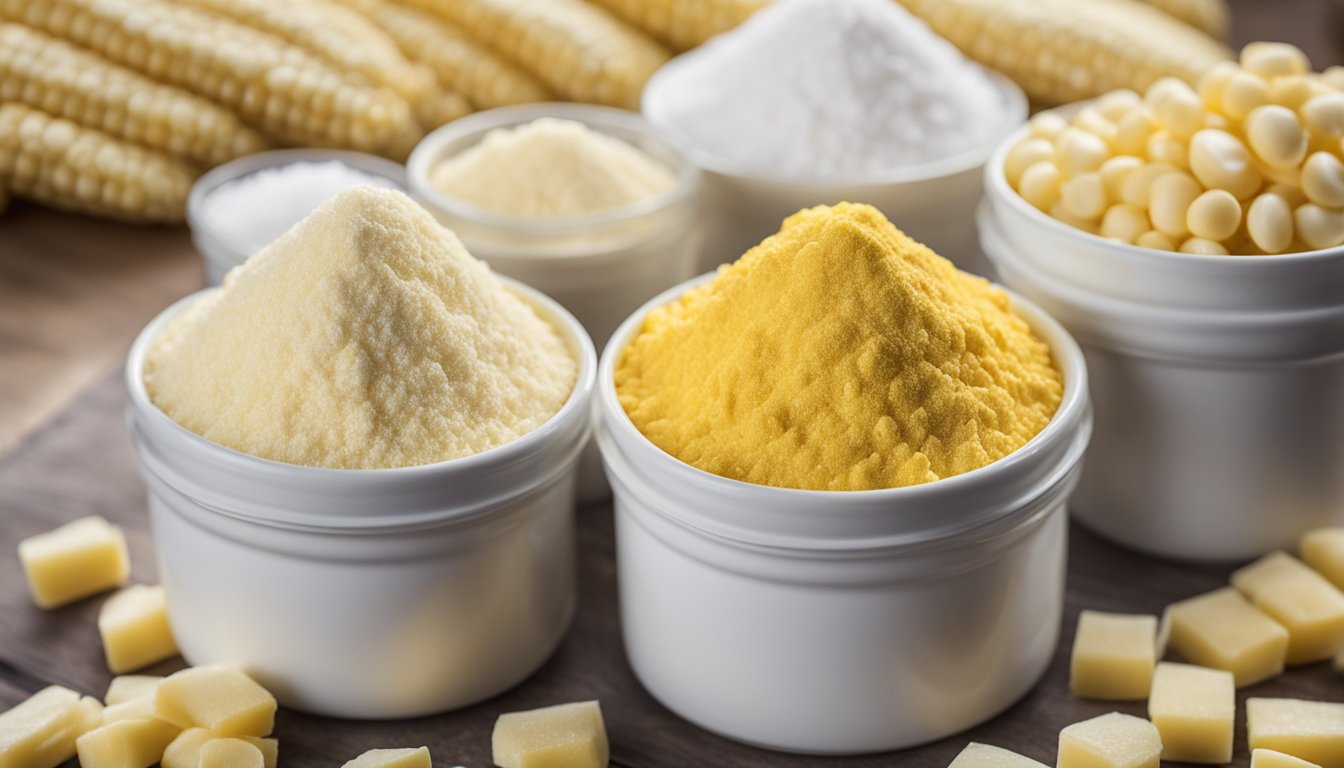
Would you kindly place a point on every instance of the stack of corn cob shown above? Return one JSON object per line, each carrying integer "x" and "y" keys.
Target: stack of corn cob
{"x": 113, "y": 107}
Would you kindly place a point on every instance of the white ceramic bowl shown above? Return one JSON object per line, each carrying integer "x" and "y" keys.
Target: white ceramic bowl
{"x": 841, "y": 622}
{"x": 221, "y": 248}
{"x": 368, "y": 593}
{"x": 1218, "y": 381}
{"x": 932, "y": 202}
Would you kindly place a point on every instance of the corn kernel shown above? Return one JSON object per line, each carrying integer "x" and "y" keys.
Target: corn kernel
{"x": 1124, "y": 222}
{"x": 1323, "y": 180}
{"x": 1084, "y": 195}
{"x": 1170, "y": 199}
{"x": 1155, "y": 240}
{"x": 1025, "y": 154}
{"x": 1214, "y": 215}
{"x": 1220, "y": 161}
{"x": 1242, "y": 93}
{"x": 1080, "y": 152}
{"x": 1324, "y": 115}
{"x": 1046, "y": 125}
{"x": 1269, "y": 221}
{"x": 1269, "y": 60}
{"x": 1319, "y": 227}
{"x": 1204, "y": 247}
{"x": 1040, "y": 184}
{"x": 1276, "y": 136}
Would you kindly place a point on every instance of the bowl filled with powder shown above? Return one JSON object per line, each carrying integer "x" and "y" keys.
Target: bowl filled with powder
{"x": 881, "y": 109}
{"x": 361, "y": 454}
{"x": 840, "y": 468}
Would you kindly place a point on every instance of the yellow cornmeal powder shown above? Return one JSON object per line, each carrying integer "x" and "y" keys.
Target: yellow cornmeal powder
{"x": 364, "y": 337}
{"x": 551, "y": 167}
{"x": 839, "y": 354}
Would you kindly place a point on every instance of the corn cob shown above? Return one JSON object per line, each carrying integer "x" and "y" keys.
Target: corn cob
{"x": 1065, "y": 50}
{"x": 276, "y": 86}
{"x": 683, "y": 24}
{"x": 69, "y": 82}
{"x": 460, "y": 62}
{"x": 55, "y": 161}
{"x": 441, "y": 107}
{"x": 1210, "y": 16}
{"x": 579, "y": 50}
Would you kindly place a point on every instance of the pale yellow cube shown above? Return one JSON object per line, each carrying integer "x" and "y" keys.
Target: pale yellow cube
{"x": 134, "y": 709}
{"x": 125, "y": 744}
{"x": 222, "y": 699}
{"x": 185, "y": 751}
{"x": 231, "y": 753}
{"x": 127, "y": 687}
{"x": 41, "y": 731}
{"x": 1113, "y": 656}
{"x": 1268, "y": 758}
{"x": 134, "y": 626}
{"x": 1311, "y": 730}
{"x": 562, "y": 736}
{"x": 1113, "y": 740}
{"x": 74, "y": 561}
{"x": 417, "y": 757}
{"x": 1299, "y": 598}
{"x": 1323, "y": 549}
{"x": 977, "y": 755}
{"x": 1222, "y": 630}
{"x": 90, "y": 714}
{"x": 1194, "y": 709}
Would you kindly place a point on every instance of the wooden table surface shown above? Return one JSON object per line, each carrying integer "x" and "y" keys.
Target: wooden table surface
{"x": 73, "y": 293}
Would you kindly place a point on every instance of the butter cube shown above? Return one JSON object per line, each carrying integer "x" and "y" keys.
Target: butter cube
{"x": 90, "y": 715}
{"x": 392, "y": 758}
{"x": 230, "y": 753}
{"x": 1323, "y": 549}
{"x": 135, "y": 709}
{"x": 1194, "y": 709}
{"x": 134, "y": 626}
{"x": 222, "y": 699}
{"x": 1268, "y": 758}
{"x": 562, "y": 736}
{"x": 1113, "y": 656}
{"x": 1222, "y": 630}
{"x": 125, "y": 744}
{"x": 1113, "y": 740}
{"x": 41, "y": 731}
{"x": 127, "y": 687}
{"x": 1308, "y": 606}
{"x": 74, "y": 561}
{"x": 185, "y": 751}
{"x": 1311, "y": 730}
{"x": 986, "y": 756}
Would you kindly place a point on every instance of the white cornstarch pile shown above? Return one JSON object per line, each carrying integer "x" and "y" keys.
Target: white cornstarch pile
{"x": 824, "y": 88}
{"x": 551, "y": 167}
{"x": 364, "y": 337}
{"x": 259, "y": 207}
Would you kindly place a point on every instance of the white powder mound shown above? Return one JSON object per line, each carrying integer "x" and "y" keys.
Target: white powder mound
{"x": 551, "y": 167}
{"x": 821, "y": 89}
{"x": 364, "y": 337}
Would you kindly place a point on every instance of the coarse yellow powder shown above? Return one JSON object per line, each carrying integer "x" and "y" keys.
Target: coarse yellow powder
{"x": 551, "y": 167}
{"x": 839, "y": 354}
{"x": 364, "y": 337}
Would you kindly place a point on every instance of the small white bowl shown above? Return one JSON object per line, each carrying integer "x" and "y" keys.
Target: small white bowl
{"x": 222, "y": 249}
{"x": 1218, "y": 381}
{"x": 380, "y": 593}
{"x": 932, "y": 202}
{"x": 841, "y": 622}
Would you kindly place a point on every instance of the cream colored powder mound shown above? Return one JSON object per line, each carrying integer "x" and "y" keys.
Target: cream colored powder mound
{"x": 364, "y": 337}
{"x": 551, "y": 167}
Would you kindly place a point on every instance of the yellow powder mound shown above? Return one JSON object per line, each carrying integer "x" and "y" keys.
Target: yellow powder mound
{"x": 839, "y": 354}
{"x": 364, "y": 337}
{"x": 551, "y": 167}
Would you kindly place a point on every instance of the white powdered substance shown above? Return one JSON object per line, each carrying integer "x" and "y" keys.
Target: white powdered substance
{"x": 823, "y": 89}
{"x": 551, "y": 167}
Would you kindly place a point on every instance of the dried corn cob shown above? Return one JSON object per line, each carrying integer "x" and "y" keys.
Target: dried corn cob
{"x": 684, "y": 24}
{"x": 1211, "y": 16}
{"x": 55, "y": 161}
{"x": 1065, "y": 50}
{"x": 460, "y": 62}
{"x": 70, "y": 82}
{"x": 441, "y": 107}
{"x": 274, "y": 85}
{"x": 580, "y": 50}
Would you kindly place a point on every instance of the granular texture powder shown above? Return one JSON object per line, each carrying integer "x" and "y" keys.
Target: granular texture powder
{"x": 839, "y": 354}
{"x": 364, "y": 337}
{"x": 828, "y": 88}
{"x": 551, "y": 167}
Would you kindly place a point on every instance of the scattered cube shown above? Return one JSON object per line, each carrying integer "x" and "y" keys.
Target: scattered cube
{"x": 230, "y": 753}
{"x": 1113, "y": 740}
{"x": 1222, "y": 630}
{"x": 392, "y": 758}
{"x": 41, "y": 731}
{"x": 1268, "y": 758}
{"x": 986, "y": 756}
{"x": 135, "y": 709}
{"x": 74, "y": 561}
{"x": 185, "y": 750}
{"x": 1194, "y": 709}
{"x": 562, "y": 736}
{"x": 1323, "y": 549}
{"x": 1308, "y": 606}
{"x": 221, "y": 699}
{"x": 125, "y": 744}
{"x": 90, "y": 714}
{"x": 127, "y": 687}
{"x": 1113, "y": 656}
{"x": 134, "y": 626}
{"x": 1310, "y": 730}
